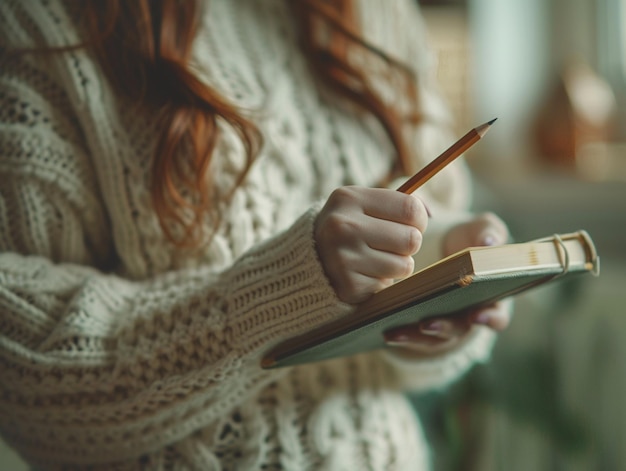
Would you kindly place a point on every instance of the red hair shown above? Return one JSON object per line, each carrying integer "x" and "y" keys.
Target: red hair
{"x": 137, "y": 39}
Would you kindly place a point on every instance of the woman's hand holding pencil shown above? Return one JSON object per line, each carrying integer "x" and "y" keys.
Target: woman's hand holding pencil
{"x": 366, "y": 237}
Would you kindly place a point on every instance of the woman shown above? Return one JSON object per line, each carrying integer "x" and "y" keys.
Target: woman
{"x": 186, "y": 184}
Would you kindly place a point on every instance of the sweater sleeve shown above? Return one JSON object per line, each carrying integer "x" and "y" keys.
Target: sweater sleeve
{"x": 95, "y": 364}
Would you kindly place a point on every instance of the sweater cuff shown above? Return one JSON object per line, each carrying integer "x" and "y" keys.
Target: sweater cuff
{"x": 282, "y": 290}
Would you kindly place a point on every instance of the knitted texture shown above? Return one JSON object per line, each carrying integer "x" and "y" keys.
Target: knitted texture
{"x": 120, "y": 351}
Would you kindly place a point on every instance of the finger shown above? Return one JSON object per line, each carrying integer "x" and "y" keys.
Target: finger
{"x": 391, "y": 236}
{"x": 490, "y": 230}
{"x": 485, "y": 229}
{"x": 428, "y": 333}
{"x": 356, "y": 288}
{"x": 380, "y": 264}
{"x": 395, "y": 206}
{"x": 371, "y": 263}
{"x": 361, "y": 230}
{"x": 496, "y": 316}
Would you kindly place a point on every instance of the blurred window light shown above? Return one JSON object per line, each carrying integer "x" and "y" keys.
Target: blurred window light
{"x": 611, "y": 37}
{"x": 621, "y": 4}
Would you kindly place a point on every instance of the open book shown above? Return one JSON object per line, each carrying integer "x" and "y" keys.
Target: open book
{"x": 467, "y": 279}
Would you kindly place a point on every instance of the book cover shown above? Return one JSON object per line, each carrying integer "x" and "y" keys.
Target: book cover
{"x": 465, "y": 280}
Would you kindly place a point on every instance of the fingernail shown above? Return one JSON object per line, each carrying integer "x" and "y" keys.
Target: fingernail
{"x": 437, "y": 328}
{"x": 489, "y": 239}
{"x": 483, "y": 318}
{"x": 397, "y": 343}
{"x": 397, "y": 340}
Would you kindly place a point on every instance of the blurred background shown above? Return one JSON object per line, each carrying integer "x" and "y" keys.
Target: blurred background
{"x": 554, "y": 74}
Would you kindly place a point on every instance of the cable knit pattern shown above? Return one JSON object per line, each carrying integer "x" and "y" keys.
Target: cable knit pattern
{"x": 119, "y": 351}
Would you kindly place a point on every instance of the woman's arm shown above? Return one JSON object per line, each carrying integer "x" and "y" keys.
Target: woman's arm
{"x": 95, "y": 362}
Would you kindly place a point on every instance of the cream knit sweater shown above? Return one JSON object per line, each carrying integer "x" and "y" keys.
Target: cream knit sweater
{"x": 119, "y": 352}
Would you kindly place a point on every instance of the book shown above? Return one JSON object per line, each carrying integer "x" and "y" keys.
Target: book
{"x": 465, "y": 280}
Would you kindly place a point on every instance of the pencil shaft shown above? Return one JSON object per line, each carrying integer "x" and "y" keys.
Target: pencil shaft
{"x": 454, "y": 151}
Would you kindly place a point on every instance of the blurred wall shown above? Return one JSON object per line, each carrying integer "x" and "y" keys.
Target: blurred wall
{"x": 522, "y": 48}
{"x": 511, "y": 68}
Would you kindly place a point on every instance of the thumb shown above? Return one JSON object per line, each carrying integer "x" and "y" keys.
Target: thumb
{"x": 485, "y": 229}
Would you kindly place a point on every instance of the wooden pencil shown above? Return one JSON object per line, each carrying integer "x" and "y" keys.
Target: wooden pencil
{"x": 454, "y": 151}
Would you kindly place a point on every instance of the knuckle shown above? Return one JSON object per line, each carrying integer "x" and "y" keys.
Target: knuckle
{"x": 336, "y": 226}
{"x": 339, "y": 226}
{"x": 410, "y": 208}
{"x": 342, "y": 196}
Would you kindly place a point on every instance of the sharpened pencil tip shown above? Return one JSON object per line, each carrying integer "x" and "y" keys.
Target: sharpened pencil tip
{"x": 492, "y": 121}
